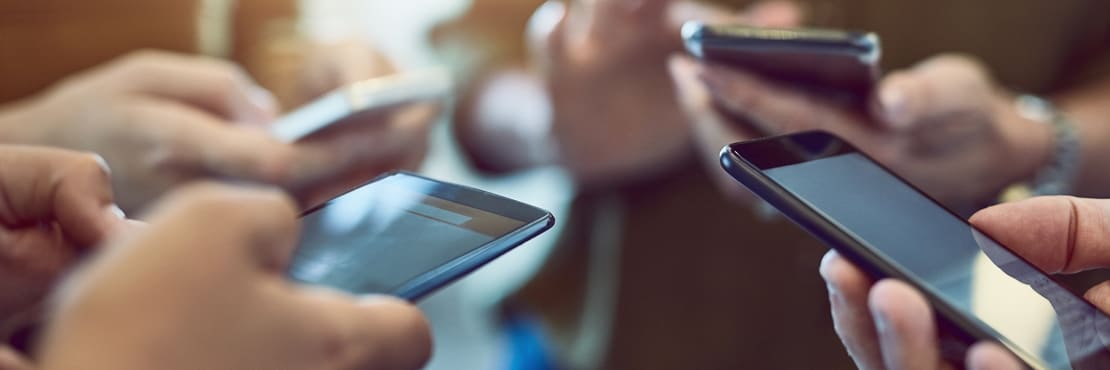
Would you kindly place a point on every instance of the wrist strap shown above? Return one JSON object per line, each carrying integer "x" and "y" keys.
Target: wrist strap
{"x": 1057, "y": 177}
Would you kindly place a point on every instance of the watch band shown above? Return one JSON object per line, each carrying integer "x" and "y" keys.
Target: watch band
{"x": 1057, "y": 177}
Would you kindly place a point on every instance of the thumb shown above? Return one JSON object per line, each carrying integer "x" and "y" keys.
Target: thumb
{"x": 934, "y": 88}
{"x": 1057, "y": 234}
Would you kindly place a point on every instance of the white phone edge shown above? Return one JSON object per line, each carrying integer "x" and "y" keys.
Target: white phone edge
{"x": 422, "y": 84}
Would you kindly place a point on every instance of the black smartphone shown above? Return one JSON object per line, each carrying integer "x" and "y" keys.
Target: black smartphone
{"x": 407, "y": 235}
{"x": 979, "y": 289}
{"x": 837, "y": 63}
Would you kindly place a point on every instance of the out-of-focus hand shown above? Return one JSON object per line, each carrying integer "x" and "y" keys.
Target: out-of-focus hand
{"x": 204, "y": 287}
{"x": 298, "y": 71}
{"x": 54, "y": 206}
{"x": 943, "y": 124}
{"x": 889, "y": 325}
{"x": 604, "y": 66}
{"x": 162, "y": 119}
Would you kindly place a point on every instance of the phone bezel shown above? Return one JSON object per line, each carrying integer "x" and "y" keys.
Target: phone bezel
{"x": 535, "y": 221}
{"x": 771, "y": 152}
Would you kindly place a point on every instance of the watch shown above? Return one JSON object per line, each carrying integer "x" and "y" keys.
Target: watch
{"x": 1057, "y": 177}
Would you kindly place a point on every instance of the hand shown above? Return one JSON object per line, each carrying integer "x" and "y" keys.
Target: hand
{"x": 55, "y": 205}
{"x": 890, "y": 325}
{"x": 943, "y": 125}
{"x": 308, "y": 70}
{"x": 204, "y": 287}
{"x": 298, "y": 70}
{"x": 1057, "y": 234}
{"x": 603, "y": 63}
{"x": 162, "y": 119}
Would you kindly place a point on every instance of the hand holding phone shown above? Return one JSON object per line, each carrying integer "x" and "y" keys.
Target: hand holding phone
{"x": 892, "y": 230}
{"x": 838, "y": 63}
{"x": 201, "y": 287}
{"x": 407, "y": 236}
{"x": 363, "y": 97}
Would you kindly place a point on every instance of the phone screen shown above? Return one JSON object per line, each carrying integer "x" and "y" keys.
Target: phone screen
{"x": 996, "y": 290}
{"x": 384, "y": 235}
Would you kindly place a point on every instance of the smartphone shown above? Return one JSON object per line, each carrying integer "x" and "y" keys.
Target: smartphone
{"x": 407, "y": 236}
{"x": 978, "y": 288}
{"x": 365, "y": 97}
{"x": 838, "y": 63}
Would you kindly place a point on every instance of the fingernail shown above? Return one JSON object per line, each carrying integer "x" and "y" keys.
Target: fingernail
{"x": 893, "y": 102}
{"x": 263, "y": 99}
{"x": 882, "y": 324}
{"x": 103, "y": 163}
{"x": 116, "y": 211}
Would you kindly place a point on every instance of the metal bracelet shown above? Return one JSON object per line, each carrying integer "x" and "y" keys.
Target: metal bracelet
{"x": 1058, "y": 176}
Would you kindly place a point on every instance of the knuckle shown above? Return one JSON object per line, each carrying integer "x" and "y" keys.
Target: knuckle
{"x": 141, "y": 60}
{"x": 353, "y": 346}
{"x": 91, "y": 165}
{"x": 227, "y": 75}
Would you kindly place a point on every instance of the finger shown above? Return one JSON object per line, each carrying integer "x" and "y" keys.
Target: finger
{"x": 359, "y": 152}
{"x": 192, "y": 142}
{"x": 618, "y": 15}
{"x": 42, "y": 185}
{"x": 374, "y": 333}
{"x": 681, "y": 12}
{"x": 711, "y": 130}
{"x": 775, "y": 14}
{"x": 905, "y": 325}
{"x": 991, "y": 356}
{"x": 1099, "y": 295}
{"x": 34, "y": 256}
{"x": 218, "y": 229}
{"x": 1057, "y": 234}
{"x": 12, "y": 360}
{"x": 848, "y": 287}
{"x": 934, "y": 88}
{"x": 219, "y": 87}
{"x": 335, "y": 64}
{"x": 771, "y": 107}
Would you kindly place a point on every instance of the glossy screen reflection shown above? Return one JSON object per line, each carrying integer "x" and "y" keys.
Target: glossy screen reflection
{"x": 1032, "y": 312}
{"x": 378, "y": 237}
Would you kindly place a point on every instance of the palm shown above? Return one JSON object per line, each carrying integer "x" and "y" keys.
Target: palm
{"x": 615, "y": 114}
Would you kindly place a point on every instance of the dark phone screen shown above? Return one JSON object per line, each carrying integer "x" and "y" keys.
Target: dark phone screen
{"x": 382, "y": 235}
{"x": 1000, "y": 292}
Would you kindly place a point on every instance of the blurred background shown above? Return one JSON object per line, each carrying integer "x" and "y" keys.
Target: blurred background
{"x": 467, "y": 320}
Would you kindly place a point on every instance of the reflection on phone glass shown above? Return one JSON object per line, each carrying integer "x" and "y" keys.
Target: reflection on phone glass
{"x": 1029, "y": 312}
{"x": 379, "y": 237}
